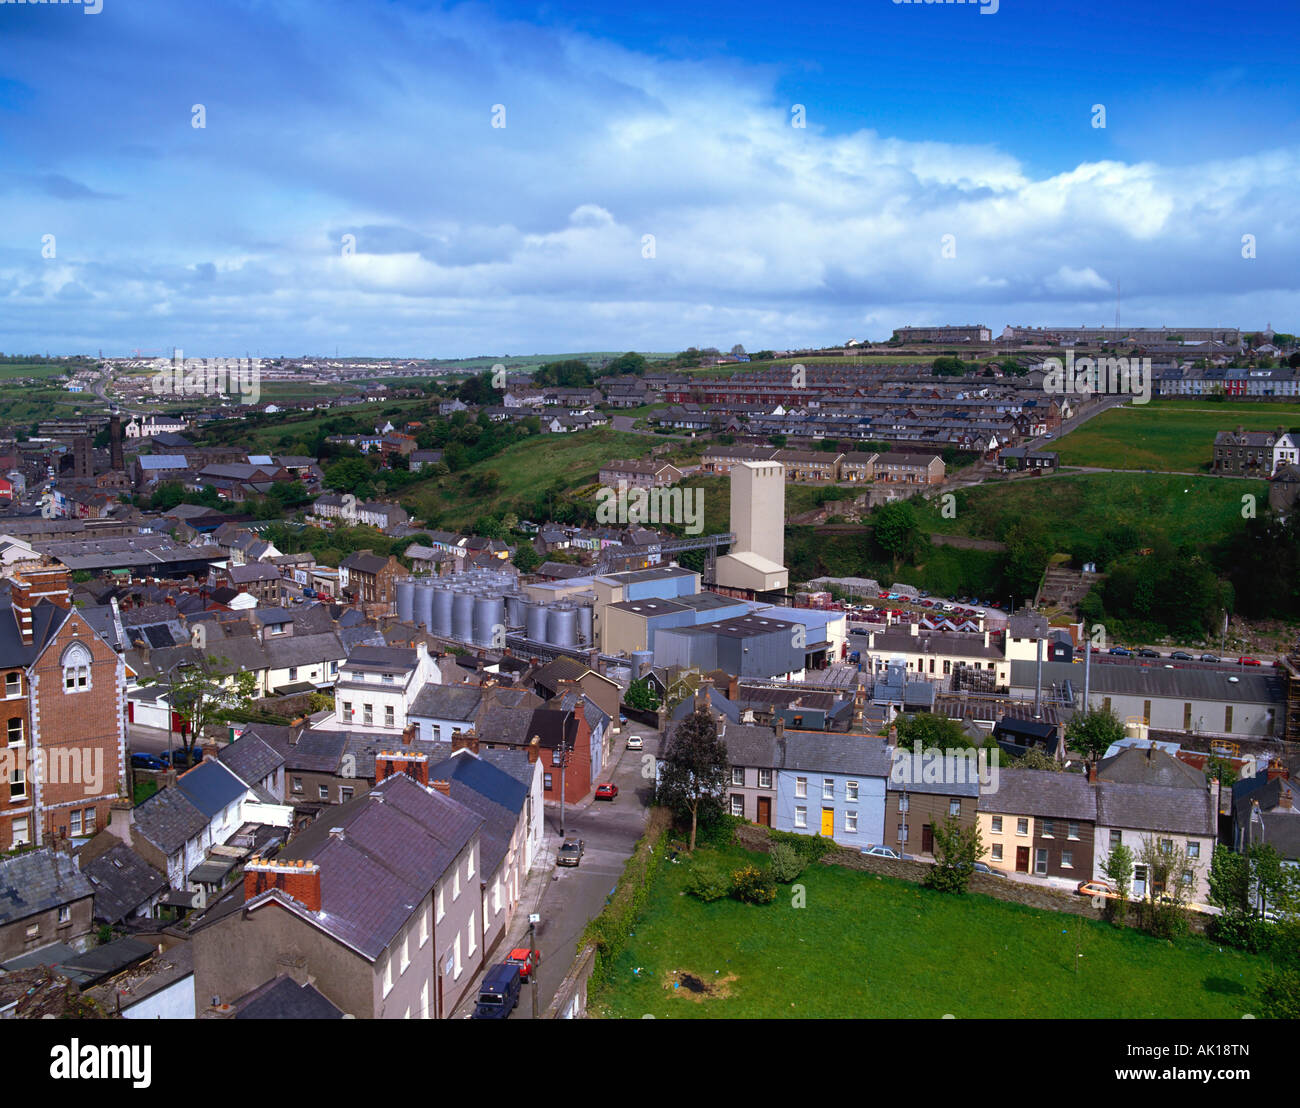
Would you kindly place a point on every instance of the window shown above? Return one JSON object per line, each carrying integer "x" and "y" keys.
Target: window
{"x": 15, "y": 731}
{"x": 17, "y": 784}
{"x": 850, "y": 790}
{"x": 390, "y": 719}
{"x": 33, "y": 930}
{"x": 469, "y": 933}
{"x": 850, "y": 823}
{"x": 1022, "y": 826}
{"x": 737, "y": 776}
{"x": 65, "y": 914}
{"x": 297, "y": 784}
{"x": 1049, "y": 828}
{"x": 13, "y": 684}
{"x": 997, "y": 825}
{"x": 455, "y": 885}
{"x": 388, "y": 975}
{"x": 738, "y": 805}
{"x": 21, "y": 837}
{"x": 469, "y": 865}
{"x": 368, "y": 714}
{"x": 1116, "y": 839}
{"x": 1040, "y": 861}
{"x": 323, "y": 792}
{"x": 1166, "y": 846}
{"x": 406, "y": 953}
{"x": 347, "y": 711}
{"x": 456, "y": 965}
{"x": 442, "y": 911}
{"x": 424, "y": 927}
{"x": 764, "y": 778}
{"x": 293, "y": 673}
{"x": 954, "y": 807}
{"x": 90, "y": 821}
{"x": 436, "y": 732}
{"x": 801, "y": 786}
{"x": 997, "y": 852}
{"x": 1193, "y": 848}
{"x": 345, "y": 793}
{"x": 828, "y": 788}
{"x": 1067, "y": 859}
{"x": 903, "y": 803}
{"x": 1072, "y": 829}
{"x": 76, "y": 668}
{"x": 800, "y": 816}
{"x": 902, "y": 832}
{"x": 546, "y": 782}
{"x": 75, "y": 819}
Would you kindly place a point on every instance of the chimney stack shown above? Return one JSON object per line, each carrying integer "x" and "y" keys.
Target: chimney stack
{"x": 389, "y": 762}
{"x": 778, "y": 725}
{"x": 443, "y": 787}
{"x": 300, "y": 880}
{"x": 534, "y": 749}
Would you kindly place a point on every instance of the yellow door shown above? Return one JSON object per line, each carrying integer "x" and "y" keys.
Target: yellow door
{"x": 828, "y": 822}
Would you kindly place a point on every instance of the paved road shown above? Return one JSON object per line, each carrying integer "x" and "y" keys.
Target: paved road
{"x": 567, "y": 898}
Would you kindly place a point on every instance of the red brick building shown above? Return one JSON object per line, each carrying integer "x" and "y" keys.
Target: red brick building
{"x": 62, "y": 709}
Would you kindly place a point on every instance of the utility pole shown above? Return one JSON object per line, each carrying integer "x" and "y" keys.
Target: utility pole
{"x": 532, "y": 945}
{"x": 563, "y": 751}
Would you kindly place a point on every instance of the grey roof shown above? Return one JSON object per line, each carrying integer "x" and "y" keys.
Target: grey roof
{"x": 1156, "y": 808}
{"x": 122, "y": 881}
{"x": 38, "y": 880}
{"x": 821, "y": 752}
{"x": 282, "y": 998}
{"x": 515, "y": 762}
{"x": 1040, "y": 792}
{"x": 316, "y": 752}
{"x": 1149, "y": 766}
{"x": 1184, "y": 683}
{"x": 751, "y": 745}
{"x": 913, "y": 770}
{"x": 250, "y": 759}
{"x": 447, "y": 702}
{"x": 169, "y": 819}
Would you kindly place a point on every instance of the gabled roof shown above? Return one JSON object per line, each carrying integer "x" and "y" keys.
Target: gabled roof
{"x": 1150, "y": 766}
{"x": 37, "y": 881}
{"x": 169, "y": 819}
{"x": 250, "y": 759}
{"x": 1156, "y": 808}
{"x": 1040, "y": 792}
{"x": 282, "y": 998}
{"x": 122, "y": 881}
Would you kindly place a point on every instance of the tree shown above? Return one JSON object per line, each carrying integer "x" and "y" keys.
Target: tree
{"x": 350, "y": 475}
{"x": 933, "y": 732}
{"x": 1036, "y": 759}
{"x": 641, "y": 696}
{"x": 693, "y": 770}
{"x": 1169, "y": 878}
{"x": 1092, "y": 733}
{"x": 200, "y": 689}
{"x": 1118, "y": 866}
{"x": 526, "y": 558}
{"x": 1277, "y": 996}
{"x": 895, "y": 530}
{"x": 956, "y": 850}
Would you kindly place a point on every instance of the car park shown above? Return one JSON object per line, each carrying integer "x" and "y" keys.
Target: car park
{"x": 570, "y": 853}
{"x": 606, "y": 791}
{"x": 635, "y": 742}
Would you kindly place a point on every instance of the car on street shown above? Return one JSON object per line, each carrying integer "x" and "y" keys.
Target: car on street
{"x": 635, "y": 742}
{"x": 527, "y": 960}
{"x": 1095, "y": 888}
{"x": 606, "y": 791}
{"x": 570, "y": 853}
{"x": 180, "y": 760}
{"x": 1147, "y": 652}
{"x": 1181, "y": 656}
{"x": 987, "y": 870}
{"x": 1209, "y": 658}
{"x": 147, "y": 761}
{"x": 1120, "y": 652}
{"x": 498, "y": 996}
{"x": 1247, "y": 661}
{"x": 881, "y": 852}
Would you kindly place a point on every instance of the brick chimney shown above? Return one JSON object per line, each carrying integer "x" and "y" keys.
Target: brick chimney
{"x": 534, "y": 749}
{"x": 408, "y": 734}
{"x": 300, "y": 880}
{"x": 443, "y": 787}
{"x": 1092, "y": 773}
{"x": 733, "y": 688}
{"x": 778, "y": 725}
{"x": 389, "y": 762}
{"x": 1276, "y": 770}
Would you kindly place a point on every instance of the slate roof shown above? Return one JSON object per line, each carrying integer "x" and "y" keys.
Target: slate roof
{"x": 491, "y": 793}
{"x": 1150, "y": 766}
{"x": 316, "y": 752}
{"x": 122, "y": 881}
{"x": 282, "y": 998}
{"x": 38, "y": 880}
{"x": 169, "y": 819}
{"x": 447, "y": 702}
{"x": 1156, "y": 808}
{"x": 1040, "y": 792}
{"x": 250, "y": 759}
{"x": 820, "y": 752}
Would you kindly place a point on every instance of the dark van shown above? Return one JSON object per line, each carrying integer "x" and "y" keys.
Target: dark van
{"x": 499, "y": 993}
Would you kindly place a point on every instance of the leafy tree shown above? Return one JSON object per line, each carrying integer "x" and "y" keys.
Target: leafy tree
{"x": 1118, "y": 866}
{"x": 350, "y": 475}
{"x": 956, "y": 850}
{"x": 641, "y": 696}
{"x": 1277, "y": 996}
{"x": 200, "y": 689}
{"x": 526, "y": 558}
{"x": 693, "y": 769}
{"x": 895, "y": 530}
{"x": 1092, "y": 733}
{"x": 1170, "y": 875}
{"x": 1036, "y": 759}
{"x": 629, "y": 363}
{"x": 932, "y": 732}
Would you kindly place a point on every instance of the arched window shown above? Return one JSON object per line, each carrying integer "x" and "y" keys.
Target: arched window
{"x": 76, "y": 668}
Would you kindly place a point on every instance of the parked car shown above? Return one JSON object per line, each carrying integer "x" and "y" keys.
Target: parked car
{"x": 1209, "y": 658}
{"x": 527, "y": 960}
{"x": 498, "y": 996}
{"x": 1096, "y": 888}
{"x": 570, "y": 853}
{"x": 180, "y": 760}
{"x": 881, "y": 852}
{"x": 987, "y": 870}
{"x": 1147, "y": 652}
{"x": 1247, "y": 661}
{"x": 635, "y": 742}
{"x": 1181, "y": 656}
{"x": 606, "y": 791}
{"x": 1120, "y": 651}
{"x": 147, "y": 761}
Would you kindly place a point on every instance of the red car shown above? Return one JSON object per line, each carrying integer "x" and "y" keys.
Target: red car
{"x": 525, "y": 959}
{"x": 606, "y": 791}
{"x": 1249, "y": 662}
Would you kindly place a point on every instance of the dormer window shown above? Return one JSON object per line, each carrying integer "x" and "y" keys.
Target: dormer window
{"x": 76, "y": 668}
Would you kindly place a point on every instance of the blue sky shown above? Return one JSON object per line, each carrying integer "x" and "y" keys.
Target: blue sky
{"x": 374, "y": 120}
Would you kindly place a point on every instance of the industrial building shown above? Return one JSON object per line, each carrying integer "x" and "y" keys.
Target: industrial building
{"x": 755, "y": 568}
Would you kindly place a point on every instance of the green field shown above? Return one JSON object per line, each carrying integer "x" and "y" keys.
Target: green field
{"x": 1167, "y": 435}
{"x": 872, "y": 947}
{"x": 9, "y": 370}
{"x": 1196, "y": 510}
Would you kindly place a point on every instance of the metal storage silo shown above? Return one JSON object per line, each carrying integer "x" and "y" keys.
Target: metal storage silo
{"x": 584, "y": 624}
{"x": 489, "y": 614}
{"x": 642, "y": 661}
{"x": 405, "y": 599}
{"x": 423, "y": 604}
{"x": 442, "y": 599}
{"x": 516, "y": 610}
{"x": 536, "y": 620}
{"x": 462, "y": 616}
{"x": 562, "y": 626}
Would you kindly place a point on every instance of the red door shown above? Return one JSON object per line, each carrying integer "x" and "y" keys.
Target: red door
{"x": 1022, "y": 859}
{"x": 765, "y": 811}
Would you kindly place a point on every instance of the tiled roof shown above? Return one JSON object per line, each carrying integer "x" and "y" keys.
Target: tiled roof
{"x": 37, "y": 881}
{"x": 122, "y": 881}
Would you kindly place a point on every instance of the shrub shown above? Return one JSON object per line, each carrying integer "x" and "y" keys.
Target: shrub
{"x": 811, "y": 848}
{"x": 708, "y": 880}
{"x": 786, "y": 865}
{"x": 753, "y": 886}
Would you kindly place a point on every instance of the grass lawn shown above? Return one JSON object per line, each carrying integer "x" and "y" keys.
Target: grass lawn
{"x": 1167, "y": 435}
{"x": 865, "y": 946}
{"x": 1078, "y": 506}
